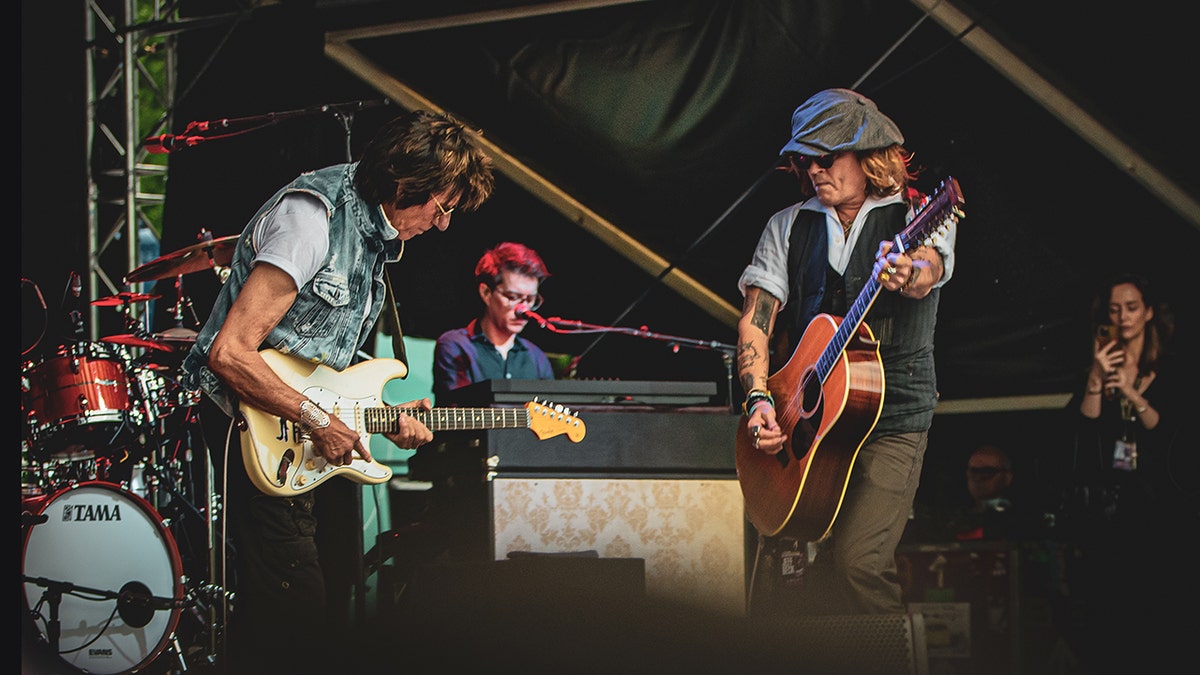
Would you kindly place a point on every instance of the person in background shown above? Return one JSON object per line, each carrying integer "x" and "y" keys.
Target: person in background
{"x": 989, "y": 476}
{"x": 815, "y": 257}
{"x": 1127, "y": 416}
{"x": 308, "y": 279}
{"x": 509, "y": 278}
{"x": 994, "y": 512}
{"x": 1127, "y": 356}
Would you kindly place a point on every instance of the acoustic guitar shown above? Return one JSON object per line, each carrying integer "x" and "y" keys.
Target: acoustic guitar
{"x": 828, "y": 397}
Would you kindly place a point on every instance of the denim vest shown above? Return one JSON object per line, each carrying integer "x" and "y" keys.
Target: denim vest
{"x": 904, "y": 327}
{"x": 329, "y": 319}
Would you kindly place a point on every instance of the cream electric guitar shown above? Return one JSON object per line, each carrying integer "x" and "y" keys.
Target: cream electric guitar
{"x": 281, "y": 461}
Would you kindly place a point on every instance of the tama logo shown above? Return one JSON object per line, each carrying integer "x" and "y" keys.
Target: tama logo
{"x": 91, "y": 512}
{"x": 100, "y": 652}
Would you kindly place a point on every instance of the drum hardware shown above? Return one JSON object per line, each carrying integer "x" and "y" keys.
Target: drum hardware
{"x": 182, "y": 301}
{"x": 41, "y": 313}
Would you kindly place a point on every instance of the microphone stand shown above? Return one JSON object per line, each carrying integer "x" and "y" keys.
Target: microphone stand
{"x": 343, "y": 111}
{"x": 556, "y": 324}
{"x": 55, "y": 590}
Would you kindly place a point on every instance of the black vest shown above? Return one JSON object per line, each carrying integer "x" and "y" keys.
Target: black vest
{"x": 904, "y": 327}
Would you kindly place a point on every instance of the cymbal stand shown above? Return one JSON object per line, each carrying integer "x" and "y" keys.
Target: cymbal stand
{"x": 135, "y": 326}
{"x": 221, "y": 271}
{"x": 182, "y": 302}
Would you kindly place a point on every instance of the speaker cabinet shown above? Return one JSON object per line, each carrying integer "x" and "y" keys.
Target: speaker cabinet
{"x": 690, "y": 532}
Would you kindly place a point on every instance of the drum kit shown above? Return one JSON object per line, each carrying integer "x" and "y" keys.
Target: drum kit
{"x": 117, "y": 505}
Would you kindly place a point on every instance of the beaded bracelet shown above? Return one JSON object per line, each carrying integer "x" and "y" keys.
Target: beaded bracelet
{"x": 754, "y": 396}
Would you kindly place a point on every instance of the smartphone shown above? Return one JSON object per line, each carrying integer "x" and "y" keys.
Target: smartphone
{"x": 1106, "y": 333}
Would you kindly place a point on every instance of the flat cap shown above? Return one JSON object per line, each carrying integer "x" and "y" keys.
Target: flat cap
{"x": 837, "y": 120}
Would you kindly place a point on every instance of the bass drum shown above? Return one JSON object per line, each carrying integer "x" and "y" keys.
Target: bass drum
{"x": 113, "y": 568}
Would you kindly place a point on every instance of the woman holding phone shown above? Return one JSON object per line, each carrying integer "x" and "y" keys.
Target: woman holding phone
{"x": 1127, "y": 459}
{"x": 1130, "y": 343}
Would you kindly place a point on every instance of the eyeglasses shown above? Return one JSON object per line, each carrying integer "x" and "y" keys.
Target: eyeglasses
{"x": 824, "y": 161}
{"x": 534, "y": 301}
{"x": 445, "y": 211}
{"x": 985, "y": 472}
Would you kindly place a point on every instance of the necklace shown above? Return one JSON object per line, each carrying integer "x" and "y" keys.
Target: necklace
{"x": 1127, "y": 411}
{"x": 846, "y": 225}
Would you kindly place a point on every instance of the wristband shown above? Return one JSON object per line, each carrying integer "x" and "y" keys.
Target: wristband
{"x": 761, "y": 401}
{"x": 312, "y": 416}
{"x": 755, "y": 396}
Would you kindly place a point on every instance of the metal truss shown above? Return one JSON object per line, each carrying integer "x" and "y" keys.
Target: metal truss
{"x": 131, "y": 66}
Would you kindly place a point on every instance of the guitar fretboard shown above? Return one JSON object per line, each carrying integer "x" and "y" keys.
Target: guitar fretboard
{"x": 386, "y": 420}
{"x": 940, "y": 211}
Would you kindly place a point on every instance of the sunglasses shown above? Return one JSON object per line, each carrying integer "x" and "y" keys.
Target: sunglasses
{"x": 824, "y": 161}
{"x": 986, "y": 471}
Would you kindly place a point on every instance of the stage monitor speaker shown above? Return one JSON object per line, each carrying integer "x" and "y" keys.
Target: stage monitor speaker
{"x": 581, "y": 613}
{"x": 888, "y": 644}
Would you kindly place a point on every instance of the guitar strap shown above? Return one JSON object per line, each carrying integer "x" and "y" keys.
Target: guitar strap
{"x": 393, "y": 317}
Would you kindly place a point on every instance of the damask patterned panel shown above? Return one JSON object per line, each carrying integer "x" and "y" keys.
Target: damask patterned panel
{"x": 691, "y": 533}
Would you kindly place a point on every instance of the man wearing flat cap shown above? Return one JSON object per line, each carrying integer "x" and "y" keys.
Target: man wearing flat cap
{"x": 813, "y": 261}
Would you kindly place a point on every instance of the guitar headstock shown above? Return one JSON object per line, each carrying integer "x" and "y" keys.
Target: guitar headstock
{"x": 548, "y": 419}
{"x": 935, "y": 215}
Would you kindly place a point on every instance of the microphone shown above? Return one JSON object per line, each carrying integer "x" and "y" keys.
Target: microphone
{"x": 136, "y": 605}
{"x": 167, "y": 143}
{"x": 523, "y": 312}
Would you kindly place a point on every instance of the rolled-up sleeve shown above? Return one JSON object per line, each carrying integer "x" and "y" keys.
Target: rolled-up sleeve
{"x": 768, "y": 266}
{"x": 944, "y": 245}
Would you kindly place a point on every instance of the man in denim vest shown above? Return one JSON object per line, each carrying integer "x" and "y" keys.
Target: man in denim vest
{"x": 815, "y": 258}
{"x": 307, "y": 279}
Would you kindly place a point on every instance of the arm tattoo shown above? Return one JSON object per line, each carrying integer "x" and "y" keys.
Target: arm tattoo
{"x": 747, "y": 356}
{"x": 764, "y": 308}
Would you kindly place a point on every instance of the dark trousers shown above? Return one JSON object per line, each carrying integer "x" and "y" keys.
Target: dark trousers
{"x": 291, "y": 579}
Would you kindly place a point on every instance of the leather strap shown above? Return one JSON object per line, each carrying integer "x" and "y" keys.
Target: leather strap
{"x": 394, "y": 319}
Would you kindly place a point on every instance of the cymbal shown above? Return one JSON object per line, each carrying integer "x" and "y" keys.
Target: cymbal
{"x": 131, "y": 340}
{"x": 178, "y": 335}
{"x": 123, "y": 298}
{"x": 194, "y": 258}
